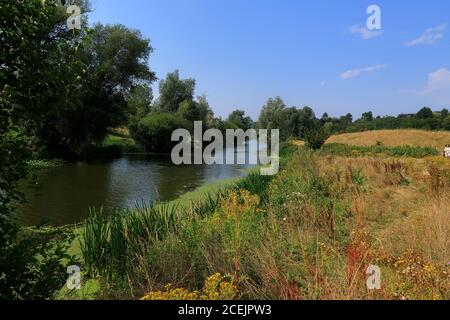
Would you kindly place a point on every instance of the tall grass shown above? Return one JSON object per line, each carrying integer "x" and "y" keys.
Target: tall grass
{"x": 256, "y": 184}
{"x": 207, "y": 205}
{"x": 111, "y": 240}
{"x": 159, "y": 241}
{"x": 308, "y": 233}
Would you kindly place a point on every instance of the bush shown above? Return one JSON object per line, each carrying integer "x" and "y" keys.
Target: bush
{"x": 31, "y": 266}
{"x": 154, "y": 131}
{"x": 316, "y": 138}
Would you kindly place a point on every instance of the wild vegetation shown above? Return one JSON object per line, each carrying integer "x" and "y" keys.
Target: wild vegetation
{"x": 379, "y": 197}
{"x": 308, "y": 233}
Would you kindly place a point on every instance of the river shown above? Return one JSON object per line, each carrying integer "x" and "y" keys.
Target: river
{"x": 64, "y": 194}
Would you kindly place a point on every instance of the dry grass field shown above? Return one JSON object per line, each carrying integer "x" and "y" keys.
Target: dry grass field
{"x": 392, "y": 138}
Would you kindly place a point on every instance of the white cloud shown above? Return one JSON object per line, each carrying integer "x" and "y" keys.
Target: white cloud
{"x": 365, "y": 33}
{"x": 438, "y": 86}
{"x": 356, "y": 72}
{"x": 429, "y": 36}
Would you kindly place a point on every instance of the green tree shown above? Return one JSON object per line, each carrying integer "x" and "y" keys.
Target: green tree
{"x": 271, "y": 116}
{"x": 238, "y": 120}
{"x": 306, "y": 121}
{"x": 316, "y": 137}
{"x": 173, "y": 91}
{"x": 154, "y": 131}
{"x": 367, "y": 116}
{"x": 101, "y": 70}
{"x": 140, "y": 101}
{"x": 30, "y": 267}
{"x": 197, "y": 111}
{"x": 424, "y": 113}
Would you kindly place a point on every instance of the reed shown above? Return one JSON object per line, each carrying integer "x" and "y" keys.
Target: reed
{"x": 111, "y": 240}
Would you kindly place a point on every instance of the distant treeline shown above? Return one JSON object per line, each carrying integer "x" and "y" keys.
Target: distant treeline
{"x": 424, "y": 119}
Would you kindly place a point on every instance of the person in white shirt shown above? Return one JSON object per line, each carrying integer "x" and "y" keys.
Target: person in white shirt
{"x": 447, "y": 151}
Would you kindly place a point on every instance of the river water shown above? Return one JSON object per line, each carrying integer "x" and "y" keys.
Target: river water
{"x": 65, "y": 194}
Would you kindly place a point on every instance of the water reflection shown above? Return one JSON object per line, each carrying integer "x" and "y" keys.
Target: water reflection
{"x": 67, "y": 192}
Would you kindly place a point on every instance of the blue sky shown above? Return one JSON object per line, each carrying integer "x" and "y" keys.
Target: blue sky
{"x": 315, "y": 53}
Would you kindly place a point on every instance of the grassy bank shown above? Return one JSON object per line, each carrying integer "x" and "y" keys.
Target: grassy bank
{"x": 154, "y": 219}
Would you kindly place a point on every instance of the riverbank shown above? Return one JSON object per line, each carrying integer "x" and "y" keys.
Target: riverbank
{"x": 187, "y": 202}
{"x": 314, "y": 228}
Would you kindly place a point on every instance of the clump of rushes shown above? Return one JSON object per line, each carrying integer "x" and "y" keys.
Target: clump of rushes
{"x": 206, "y": 206}
{"x": 256, "y": 184}
{"x": 111, "y": 241}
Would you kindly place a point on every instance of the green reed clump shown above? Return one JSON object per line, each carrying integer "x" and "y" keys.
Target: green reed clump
{"x": 256, "y": 184}
{"x": 207, "y": 205}
{"x": 111, "y": 242}
{"x": 94, "y": 241}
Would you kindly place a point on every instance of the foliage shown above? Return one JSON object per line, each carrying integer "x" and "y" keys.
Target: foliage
{"x": 30, "y": 265}
{"x": 316, "y": 137}
{"x": 418, "y": 280}
{"x": 173, "y": 91}
{"x": 424, "y": 119}
{"x": 256, "y": 184}
{"x": 196, "y": 111}
{"x": 110, "y": 241}
{"x": 125, "y": 143}
{"x": 44, "y": 164}
{"x": 140, "y": 101}
{"x": 216, "y": 287}
{"x": 105, "y": 66}
{"x": 34, "y": 265}
{"x": 292, "y": 122}
{"x": 270, "y": 117}
{"x": 238, "y": 120}
{"x": 154, "y": 131}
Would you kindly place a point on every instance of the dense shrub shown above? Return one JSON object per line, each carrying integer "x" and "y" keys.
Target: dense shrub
{"x": 31, "y": 266}
{"x": 315, "y": 138}
{"x": 154, "y": 131}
